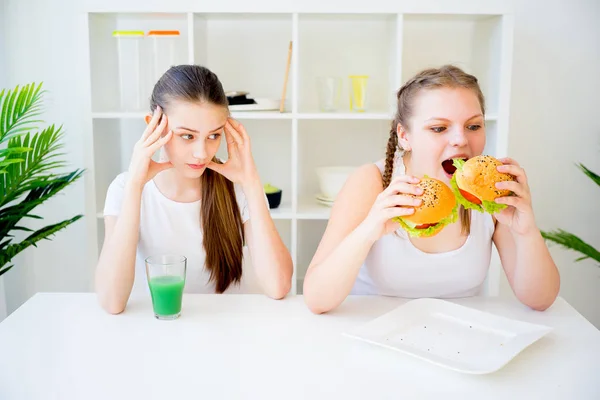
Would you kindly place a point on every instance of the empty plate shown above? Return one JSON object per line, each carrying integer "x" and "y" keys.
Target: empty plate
{"x": 450, "y": 335}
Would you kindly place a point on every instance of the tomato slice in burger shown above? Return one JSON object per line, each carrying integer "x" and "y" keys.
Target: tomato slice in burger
{"x": 469, "y": 197}
{"x": 424, "y": 226}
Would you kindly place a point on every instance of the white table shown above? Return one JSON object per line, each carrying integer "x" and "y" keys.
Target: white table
{"x": 63, "y": 346}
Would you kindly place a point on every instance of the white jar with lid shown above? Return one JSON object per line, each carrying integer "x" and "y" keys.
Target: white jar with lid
{"x": 165, "y": 51}
{"x": 129, "y": 51}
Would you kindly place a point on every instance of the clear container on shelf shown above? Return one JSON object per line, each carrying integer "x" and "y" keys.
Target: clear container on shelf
{"x": 129, "y": 48}
{"x": 164, "y": 51}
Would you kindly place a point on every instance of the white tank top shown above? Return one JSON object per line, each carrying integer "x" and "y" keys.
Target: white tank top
{"x": 395, "y": 267}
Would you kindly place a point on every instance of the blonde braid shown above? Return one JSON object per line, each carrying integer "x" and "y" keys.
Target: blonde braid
{"x": 390, "y": 153}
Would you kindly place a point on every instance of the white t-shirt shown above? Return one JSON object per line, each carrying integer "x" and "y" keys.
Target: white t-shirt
{"x": 170, "y": 227}
{"x": 395, "y": 267}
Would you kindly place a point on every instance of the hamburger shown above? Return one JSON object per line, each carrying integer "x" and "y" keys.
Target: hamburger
{"x": 438, "y": 209}
{"x": 474, "y": 183}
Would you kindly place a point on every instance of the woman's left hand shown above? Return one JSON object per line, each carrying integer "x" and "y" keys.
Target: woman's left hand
{"x": 239, "y": 167}
{"x": 518, "y": 216}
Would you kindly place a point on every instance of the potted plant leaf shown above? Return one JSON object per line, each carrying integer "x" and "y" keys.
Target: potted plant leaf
{"x": 31, "y": 170}
{"x": 569, "y": 240}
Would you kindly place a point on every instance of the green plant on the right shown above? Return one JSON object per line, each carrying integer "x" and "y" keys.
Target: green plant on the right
{"x": 569, "y": 240}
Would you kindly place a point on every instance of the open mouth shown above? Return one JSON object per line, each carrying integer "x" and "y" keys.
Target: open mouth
{"x": 449, "y": 167}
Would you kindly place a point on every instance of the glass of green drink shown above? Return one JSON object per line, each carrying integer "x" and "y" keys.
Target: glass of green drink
{"x": 166, "y": 278}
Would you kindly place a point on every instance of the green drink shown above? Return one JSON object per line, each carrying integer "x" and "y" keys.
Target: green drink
{"x": 166, "y": 292}
{"x": 166, "y": 279}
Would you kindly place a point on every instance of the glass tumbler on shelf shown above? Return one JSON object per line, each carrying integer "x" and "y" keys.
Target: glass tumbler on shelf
{"x": 358, "y": 92}
{"x": 329, "y": 91}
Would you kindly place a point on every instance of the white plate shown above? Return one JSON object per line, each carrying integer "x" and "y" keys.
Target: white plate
{"x": 450, "y": 335}
{"x": 262, "y": 104}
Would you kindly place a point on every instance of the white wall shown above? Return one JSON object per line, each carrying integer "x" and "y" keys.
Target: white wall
{"x": 554, "y": 124}
{"x": 60, "y": 264}
{"x": 2, "y": 45}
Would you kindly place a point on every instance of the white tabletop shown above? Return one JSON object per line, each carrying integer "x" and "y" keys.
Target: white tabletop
{"x": 63, "y": 346}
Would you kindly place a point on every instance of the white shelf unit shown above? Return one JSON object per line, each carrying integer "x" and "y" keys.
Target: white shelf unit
{"x": 248, "y": 51}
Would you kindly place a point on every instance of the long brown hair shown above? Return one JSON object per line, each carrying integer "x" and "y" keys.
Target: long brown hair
{"x": 220, "y": 215}
{"x": 447, "y": 76}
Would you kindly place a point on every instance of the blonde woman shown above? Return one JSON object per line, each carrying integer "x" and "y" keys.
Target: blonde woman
{"x": 440, "y": 116}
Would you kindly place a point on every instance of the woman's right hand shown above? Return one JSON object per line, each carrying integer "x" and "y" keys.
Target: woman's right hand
{"x": 142, "y": 167}
{"x": 394, "y": 201}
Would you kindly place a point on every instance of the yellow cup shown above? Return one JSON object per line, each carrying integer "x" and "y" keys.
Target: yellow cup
{"x": 358, "y": 92}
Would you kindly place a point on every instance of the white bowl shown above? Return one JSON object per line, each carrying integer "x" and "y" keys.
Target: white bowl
{"x": 331, "y": 179}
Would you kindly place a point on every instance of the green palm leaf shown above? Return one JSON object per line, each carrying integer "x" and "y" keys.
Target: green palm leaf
{"x": 27, "y": 165}
{"x": 13, "y": 150}
{"x": 11, "y": 160}
{"x": 593, "y": 176}
{"x": 6, "y": 163}
{"x": 11, "y": 215}
{"x": 572, "y": 242}
{"x": 19, "y": 109}
{"x": 11, "y": 250}
{"x": 33, "y": 171}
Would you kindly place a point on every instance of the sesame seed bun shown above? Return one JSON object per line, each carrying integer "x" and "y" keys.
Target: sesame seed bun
{"x": 437, "y": 202}
{"x": 438, "y": 209}
{"x": 479, "y": 176}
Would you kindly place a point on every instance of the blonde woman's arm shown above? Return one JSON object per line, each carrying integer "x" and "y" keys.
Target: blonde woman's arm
{"x": 530, "y": 270}
{"x": 361, "y": 215}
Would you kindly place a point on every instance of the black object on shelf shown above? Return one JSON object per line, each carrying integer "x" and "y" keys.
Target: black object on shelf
{"x": 237, "y": 98}
{"x": 274, "y": 199}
